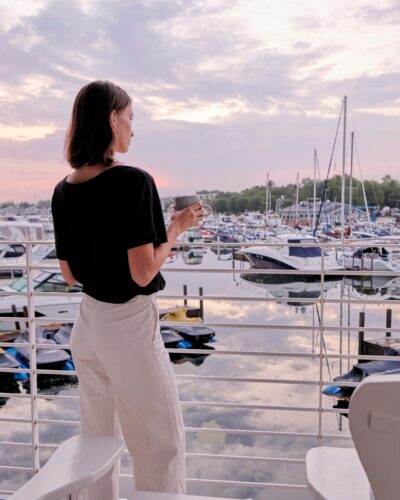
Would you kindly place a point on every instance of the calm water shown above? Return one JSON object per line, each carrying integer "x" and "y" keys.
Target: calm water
{"x": 269, "y": 338}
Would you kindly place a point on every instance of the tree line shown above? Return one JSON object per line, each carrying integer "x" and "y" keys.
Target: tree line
{"x": 25, "y": 204}
{"x": 378, "y": 193}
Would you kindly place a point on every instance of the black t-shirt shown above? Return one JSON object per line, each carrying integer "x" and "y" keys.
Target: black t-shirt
{"x": 97, "y": 221}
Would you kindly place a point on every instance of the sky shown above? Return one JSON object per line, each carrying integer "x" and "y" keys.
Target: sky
{"x": 224, "y": 91}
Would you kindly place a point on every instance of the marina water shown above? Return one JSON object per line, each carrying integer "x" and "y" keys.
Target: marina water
{"x": 288, "y": 314}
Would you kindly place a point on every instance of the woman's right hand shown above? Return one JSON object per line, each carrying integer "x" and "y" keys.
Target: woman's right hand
{"x": 187, "y": 217}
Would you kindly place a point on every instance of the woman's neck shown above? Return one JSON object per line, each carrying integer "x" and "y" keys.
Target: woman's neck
{"x": 87, "y": 172}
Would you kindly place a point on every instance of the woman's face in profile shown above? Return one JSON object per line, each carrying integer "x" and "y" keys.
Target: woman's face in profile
{"x": 122, "y": 128}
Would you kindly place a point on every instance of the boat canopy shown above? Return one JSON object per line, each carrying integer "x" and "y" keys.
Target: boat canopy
{"x": 303, "y": 251}
{"x": 370, "y": 250}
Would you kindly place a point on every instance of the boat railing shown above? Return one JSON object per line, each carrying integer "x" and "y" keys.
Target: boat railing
{"x": 320, "y": 353}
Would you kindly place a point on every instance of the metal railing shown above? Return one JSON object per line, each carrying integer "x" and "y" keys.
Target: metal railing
{"x": 322, "y": 355}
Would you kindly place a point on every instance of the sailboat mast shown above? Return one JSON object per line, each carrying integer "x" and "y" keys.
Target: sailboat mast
{"x": 266, "y": 200}
{"x": 297, "y": 199}
{"x": 351, "y": 176}
{"x": 343, "y": 165}
{"x": 314, "y": 229}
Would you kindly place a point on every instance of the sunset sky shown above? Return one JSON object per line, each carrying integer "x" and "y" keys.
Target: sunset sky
{"x": 223, "y": 91}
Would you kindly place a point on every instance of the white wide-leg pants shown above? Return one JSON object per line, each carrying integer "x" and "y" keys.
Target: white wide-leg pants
{"x": 126, "y": 381}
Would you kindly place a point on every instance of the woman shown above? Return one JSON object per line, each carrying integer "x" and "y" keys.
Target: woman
{"x": 111, "y": 238}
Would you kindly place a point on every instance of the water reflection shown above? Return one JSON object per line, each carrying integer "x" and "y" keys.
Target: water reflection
{"x": 193, "y": 255}
{"x": 53, "y": 384}
{"x": 384, "y": 287}
{"x": 235, "y": 337}
{"x": 194, "y": 359}
{"x": 48, "y": 384}
{"x": 9, "y": 385}
{"x": 223, "y": 253}
{"x": 291, "y": 288}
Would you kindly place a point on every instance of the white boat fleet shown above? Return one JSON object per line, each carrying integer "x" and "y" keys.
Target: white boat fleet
{"x": 275, "y": 247}
{"x": 241, "y": 237}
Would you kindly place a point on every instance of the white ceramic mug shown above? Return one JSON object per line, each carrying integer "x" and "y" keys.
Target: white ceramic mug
{"x": 182, "y": 202}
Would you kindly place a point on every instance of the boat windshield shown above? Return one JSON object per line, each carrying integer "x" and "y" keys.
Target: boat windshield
{"x": 304, "y": 251}
{"x": 19, "y": 285}
{"x": 45, "y": 282}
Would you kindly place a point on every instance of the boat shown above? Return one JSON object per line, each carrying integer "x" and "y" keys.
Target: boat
{"x": 62, "y": 334}
{"x": 358, "y": 373}
{"x": 7, "y": 360}
{"x": 373, "y": 257}
{"x": 187, "y": 337}
{"x": 171, "y": 338}
{"x": 46, "y": 358}
{"x": 386, "y": 346}
{"x": 283, "y": 256}
{"x": 195, "y": 334}
{"x": 44, "y": 253}
{"x": 181, "y": 313}
{"x": 30, "y": 229}
{"x": 62, "y": 307}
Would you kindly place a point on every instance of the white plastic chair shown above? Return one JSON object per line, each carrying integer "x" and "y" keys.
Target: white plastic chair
{"x": 348, "y": 474}
{"x": 77, "y": 463}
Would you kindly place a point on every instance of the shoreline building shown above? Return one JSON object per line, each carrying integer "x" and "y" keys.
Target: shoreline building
{"x": 331, "y": 213}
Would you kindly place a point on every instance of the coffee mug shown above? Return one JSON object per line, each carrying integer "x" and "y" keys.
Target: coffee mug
{"x": 182, "y": 202}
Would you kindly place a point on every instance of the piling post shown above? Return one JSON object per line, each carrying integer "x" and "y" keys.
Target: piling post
{"x": 201, "y": 303}
{"x": 15, "y": 315}
{"x": 361, "y": 324}
{"x": 388, "y": 322}
{"x": 25, "y": 310}
{"x": 185, "y": 294}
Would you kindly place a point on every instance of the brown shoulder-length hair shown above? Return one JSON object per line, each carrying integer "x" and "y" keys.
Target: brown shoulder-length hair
{"x": 89, "y": 137}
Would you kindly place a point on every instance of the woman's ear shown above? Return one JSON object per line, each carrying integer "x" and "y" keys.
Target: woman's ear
{"x": 113, "y": 120}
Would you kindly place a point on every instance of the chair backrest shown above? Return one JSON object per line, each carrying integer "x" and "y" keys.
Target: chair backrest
{"x": 77, "y": 463}
{"x": 374, "y": 416}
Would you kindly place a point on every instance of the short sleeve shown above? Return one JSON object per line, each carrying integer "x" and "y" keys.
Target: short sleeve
{"x": 142, "y": 210}
{"x": 60, "y": 227}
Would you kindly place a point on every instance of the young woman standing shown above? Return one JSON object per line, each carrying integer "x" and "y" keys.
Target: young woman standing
{"x": 111, "y": 238}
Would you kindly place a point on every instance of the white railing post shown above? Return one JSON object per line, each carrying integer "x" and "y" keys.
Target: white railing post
{"x": 32, "y": 364}
{"x": 321, "y": 346}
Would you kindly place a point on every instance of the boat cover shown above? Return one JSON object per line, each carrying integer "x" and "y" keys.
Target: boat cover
{"x": 362, "y": 370}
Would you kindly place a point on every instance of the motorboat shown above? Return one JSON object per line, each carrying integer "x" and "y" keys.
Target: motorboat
{"x": 283, "y": 256}
{"x": 62, "y": 334}
{"x": 386, "y": 346}
{"x": 358, "y": 373}
{"x": 41, "y": 252}
{"x": 60, "y": 307}
{"x": 6, "y": 360}
{"x": 170, "y": 337}
{"x": 372, "y": 257}
{"x": 195, "y": 334}
{"x": 46, "y": 358}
